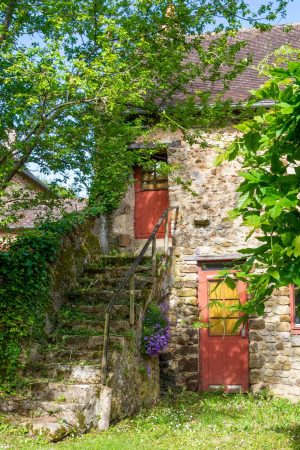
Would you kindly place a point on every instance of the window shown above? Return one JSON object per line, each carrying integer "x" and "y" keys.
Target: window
{"x": 152, "y": 179}
{"x": 295, "y": 308}
{"x": 222, "y": 320}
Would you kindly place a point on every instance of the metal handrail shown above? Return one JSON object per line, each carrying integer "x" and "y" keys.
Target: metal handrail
{"x": 129, "y": 275}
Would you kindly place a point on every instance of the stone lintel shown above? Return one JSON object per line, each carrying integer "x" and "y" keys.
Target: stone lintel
{"x": 212, "y": 258}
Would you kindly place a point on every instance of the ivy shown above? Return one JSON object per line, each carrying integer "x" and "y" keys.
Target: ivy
{"x": 25, "y": 280}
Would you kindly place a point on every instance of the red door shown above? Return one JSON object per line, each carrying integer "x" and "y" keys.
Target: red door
{"x": 223, "y": 353}
{"x": 151, "y": 199}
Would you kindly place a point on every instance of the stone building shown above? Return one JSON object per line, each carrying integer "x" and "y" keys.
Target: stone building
{"x": 32, "y": 186}
{"x": 266, "y": 353}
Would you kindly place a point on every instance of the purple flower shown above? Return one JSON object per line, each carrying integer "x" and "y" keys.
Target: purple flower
{"x": 156, "y": 331}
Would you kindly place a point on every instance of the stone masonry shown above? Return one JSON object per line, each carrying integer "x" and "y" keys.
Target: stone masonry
{"x": 204, "y": 231}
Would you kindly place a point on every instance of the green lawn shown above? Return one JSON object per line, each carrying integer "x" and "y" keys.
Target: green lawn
{"x": 188, "y": 421}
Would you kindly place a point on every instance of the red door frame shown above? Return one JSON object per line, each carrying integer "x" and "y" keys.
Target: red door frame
{"x": 229, "y": 344}
{"x": 148, "y": 207}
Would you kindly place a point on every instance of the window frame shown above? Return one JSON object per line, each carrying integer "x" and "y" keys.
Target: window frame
{"x": 295, "y": 329}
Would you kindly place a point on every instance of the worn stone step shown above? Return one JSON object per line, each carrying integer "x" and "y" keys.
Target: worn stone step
{"x": 116, "y": 326}
{"x": 101, "y": 282}
{"x": 70, "y": 355}
{"x": 119, "y": 311}
{"x": 115, "y": 271}
{"x": 35, "y": 407}
{"x": 120, "y": 260}
{"x": 80, "y": 373}
{"x": 98, "y": 296}
{"x": 62, "y": 392}
{"x": 51, "y": 419}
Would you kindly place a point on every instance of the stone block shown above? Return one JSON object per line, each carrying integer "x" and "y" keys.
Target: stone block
{"x": 281, "y": 309}
{"x": 189, "y": 311}
{"x": 186, "y": 292}
{"x": 295, "y": 340}
{"x": 285, "y": 318}
{"x": 282, "y": 326}
{"x": 279, "y": 345}
{"x": 254, "y": 336}
{"x": 253, "y": 347}
{"x": 283, "y": 300}
{"x": 256, "y": 324}
{"x": 256, "y": 361}
{"x": 188, "y": 364}
{"x": 188, "y": 269}
{"x": 254, "y": 376}
{"x": 190, "y": 284}
{"x": 270, "y": 339}
{"x": 272, "y": 318}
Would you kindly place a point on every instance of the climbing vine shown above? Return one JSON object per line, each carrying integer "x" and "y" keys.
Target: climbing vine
{"x": 25, "y": 280}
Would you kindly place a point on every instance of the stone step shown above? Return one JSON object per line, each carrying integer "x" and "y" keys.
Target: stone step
{"x": 37, "y": 407}
{"x": 79, "y": 373}
{"x": 52, "y": 419}
{"x": 119, "y": 311}
{"x": 94, "y": 326}
{"x": 70, "y": 355}
{"x": 62, "y": 392}
{"x": 98, "y": 296}
{"x": 105, "y": 261}
{"x": 115, "y": 271}
{"x": 103, "y": 283}
{"x": 78, "y": 342}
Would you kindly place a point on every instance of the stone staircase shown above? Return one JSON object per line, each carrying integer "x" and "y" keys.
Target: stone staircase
{"x": 65, "y": 393}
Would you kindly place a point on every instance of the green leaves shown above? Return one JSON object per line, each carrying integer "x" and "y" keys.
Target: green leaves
{"x": 269, "y": 200}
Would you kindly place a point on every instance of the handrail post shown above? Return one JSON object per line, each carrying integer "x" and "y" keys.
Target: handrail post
{"x": 105, "y": 348}
{"x": 167, "y": 235}
{"x": 130, "y": 276}
{"x": 132, "y": 300}
{"x": 154, "y": 257}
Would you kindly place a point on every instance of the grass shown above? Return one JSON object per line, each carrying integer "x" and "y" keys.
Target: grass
{"x": 187, "y": 421}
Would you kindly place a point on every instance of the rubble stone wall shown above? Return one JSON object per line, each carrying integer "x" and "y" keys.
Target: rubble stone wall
{"x": 203, "y": 230}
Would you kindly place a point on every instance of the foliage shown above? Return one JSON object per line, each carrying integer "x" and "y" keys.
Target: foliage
{"x": 155, "y": 333}
{"x": 25, "y": 279}
{"x": 190, "y": 420}
{"x": 269, "y": 202}
{"x": 75, "y": 76}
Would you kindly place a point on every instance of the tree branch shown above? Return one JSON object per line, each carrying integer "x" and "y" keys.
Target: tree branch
{"x": 7, "y": 20}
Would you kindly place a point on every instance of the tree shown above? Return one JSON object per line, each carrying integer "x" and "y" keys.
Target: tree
{"x": 269, "y": 193}
{"x": 79, "y": 79}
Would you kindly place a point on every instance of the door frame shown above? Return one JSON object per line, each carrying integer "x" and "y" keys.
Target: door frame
{"x": 203, "y": 332}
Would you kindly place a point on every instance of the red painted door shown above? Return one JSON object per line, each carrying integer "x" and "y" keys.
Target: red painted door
{"x": 224, "y": 354}
{"x": 151, "y": 199}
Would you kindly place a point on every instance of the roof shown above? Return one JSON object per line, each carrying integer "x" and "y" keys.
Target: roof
{"x": 31, "y": 215}
{"x": 259, "y": 45}
{"x": 33, "y": 178}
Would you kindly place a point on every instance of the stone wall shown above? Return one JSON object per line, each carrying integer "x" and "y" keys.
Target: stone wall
{"x": 134, "y": 382}
{"x": 274, "y": 349}
{"x": 203, "y": 231}
{"x": 78, "y": 249}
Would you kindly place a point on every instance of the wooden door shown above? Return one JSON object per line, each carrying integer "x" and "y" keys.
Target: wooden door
{"x": 224, "y": 354}
{"x": 151, "y": 199}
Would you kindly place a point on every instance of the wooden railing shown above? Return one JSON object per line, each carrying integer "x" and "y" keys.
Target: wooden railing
{"x": 130, "y": 278}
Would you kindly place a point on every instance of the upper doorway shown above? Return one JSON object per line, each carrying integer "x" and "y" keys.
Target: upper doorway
{"x": 151, "y": 199}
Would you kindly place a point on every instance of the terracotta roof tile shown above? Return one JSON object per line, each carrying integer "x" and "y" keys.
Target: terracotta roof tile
{"x": 259, "y": 45}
